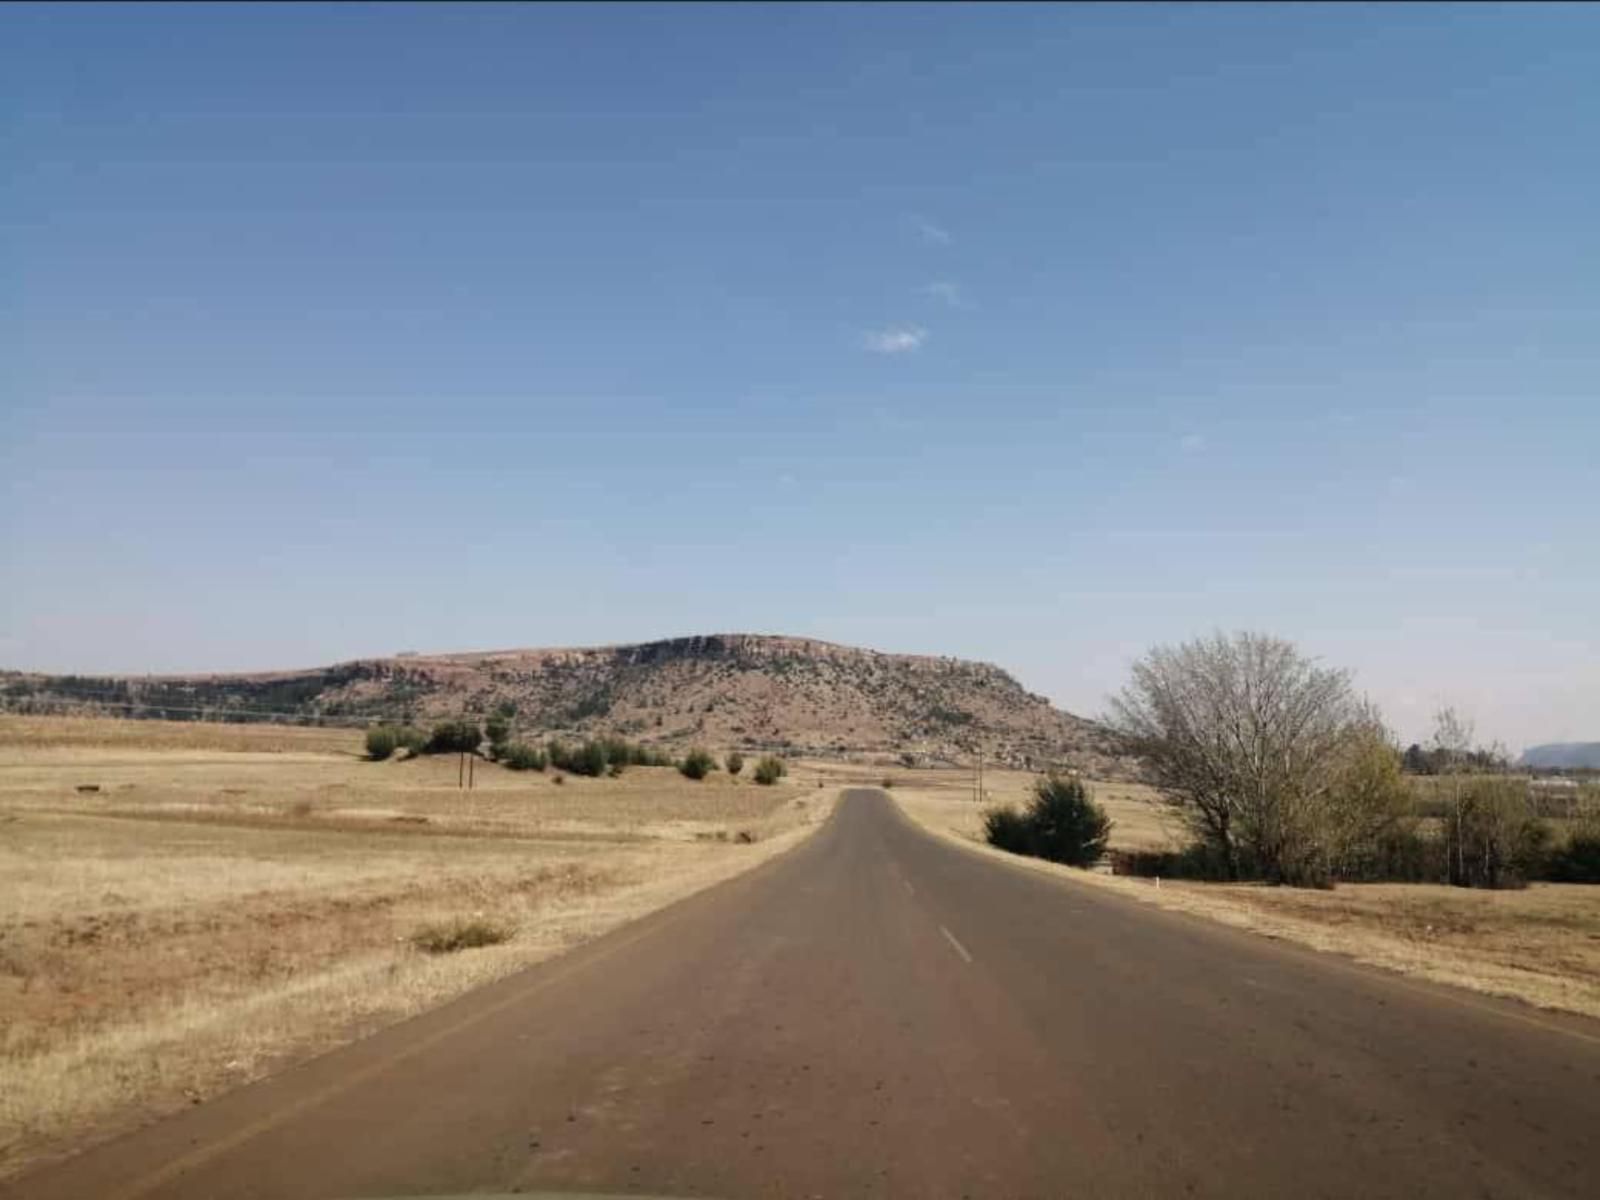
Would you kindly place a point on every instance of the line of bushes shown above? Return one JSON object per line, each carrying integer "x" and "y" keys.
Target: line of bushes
{"x": 591, "y": 757}
{"x": 519, "y": 756}
{"x": 1491, "y": 839}
{"x": 604, "y": 756}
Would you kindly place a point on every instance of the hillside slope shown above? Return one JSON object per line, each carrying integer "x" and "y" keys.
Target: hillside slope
{"x": 802, "y": 695}
{"x": 1567, "y": 756}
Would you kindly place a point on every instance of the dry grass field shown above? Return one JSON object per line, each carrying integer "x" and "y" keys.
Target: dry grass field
{"x": 1540, "y": 945}
{"x": 183, "y": 907}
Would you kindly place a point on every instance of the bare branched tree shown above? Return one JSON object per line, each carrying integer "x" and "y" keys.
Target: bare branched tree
{"x": 1244, "y": 735}
{"x": 1452, "y": 739}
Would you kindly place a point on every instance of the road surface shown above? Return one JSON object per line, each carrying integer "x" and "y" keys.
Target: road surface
{"x": 882, "y": 1013}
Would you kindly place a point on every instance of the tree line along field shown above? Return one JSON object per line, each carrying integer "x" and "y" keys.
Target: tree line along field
{"x": 1282, "y": 805}
{"x": 184, "y": 906}
{"x": 1539, "y": 944}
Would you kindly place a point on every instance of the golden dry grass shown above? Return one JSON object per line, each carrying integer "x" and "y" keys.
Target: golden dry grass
{"x": 1540, "y": 945}
{"x": 235, "y": 897}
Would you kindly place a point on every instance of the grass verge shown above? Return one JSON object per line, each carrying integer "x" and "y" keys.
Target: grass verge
{"x": 234, "y": 899}
{"x": 1541, "y": 945}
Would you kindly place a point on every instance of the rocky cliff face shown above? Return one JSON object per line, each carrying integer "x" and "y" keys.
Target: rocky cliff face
{"x": 796, "y": 694}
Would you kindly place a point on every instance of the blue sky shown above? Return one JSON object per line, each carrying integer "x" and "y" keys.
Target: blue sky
{"x": 1038, "y": 335}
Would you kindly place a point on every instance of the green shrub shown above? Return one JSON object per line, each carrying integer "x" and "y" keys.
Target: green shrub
{"x": 459, "y": 935}
{"x": 886, "y": 783}
{"x": 600, "y": 756}
{"x": 734, "y": 763}
{"x": 1578, "y": 861}
{"x": 519, "y": 756}
{"x": 591, "y": 760}
{"x": 1062, "y": 823}
{"x": 411, "y": 739}
{"x": 382, "y": 741}
{"x": 498, "y": 730}
{"x": 697, "y": 764}
{"x": 454, "y": 737}
{"x": 769, "y": 770}
{"x": 1068, "y": 825}
{"x": 1007, "y": 829}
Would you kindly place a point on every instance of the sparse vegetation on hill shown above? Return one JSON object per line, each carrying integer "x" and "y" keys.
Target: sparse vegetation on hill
{"x": 783, "y": 695}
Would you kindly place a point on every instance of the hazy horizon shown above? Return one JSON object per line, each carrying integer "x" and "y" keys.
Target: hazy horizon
{"x": 1036, "y": 336}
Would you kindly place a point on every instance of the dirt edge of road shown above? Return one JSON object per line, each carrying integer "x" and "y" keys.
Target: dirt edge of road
{"x": 1434, "y": 964}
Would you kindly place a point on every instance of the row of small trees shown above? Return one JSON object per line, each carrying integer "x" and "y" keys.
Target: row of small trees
{"x": 1283, "y": 773}
{"x": 591, "y": 757}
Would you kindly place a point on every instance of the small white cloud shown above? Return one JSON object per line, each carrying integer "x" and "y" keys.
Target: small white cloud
{"x": 899, "y": 339}
{"x": 943, "y": 289}
{"x": 1192, "y": 443}
{"x": 929, "y": 232}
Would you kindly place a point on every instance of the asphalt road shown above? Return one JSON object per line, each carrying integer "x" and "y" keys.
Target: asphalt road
{"x": 881, "y": 1013}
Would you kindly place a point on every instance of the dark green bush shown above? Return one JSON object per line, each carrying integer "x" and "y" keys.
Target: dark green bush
{"x": 1196, "y": 861}
{"x": 1068, "y": 826}
{"x": 618, "y": 752}
{"x": 382, "y": 740}
{"x": 1007, "y": 829}
{"x": 519, "y": 756}
{"x": 454, "y": 737}
{"x": 697, "y": 764}
{"x": 1062, "y": 823}
{"x": 498, "y": 730}
{"x": 770, "y": 769}
{"x": 734, "y": 763}
{"x": 411, "y": 739}
{"x": 1576, "y": 862}
{"x": 586, "y": 758}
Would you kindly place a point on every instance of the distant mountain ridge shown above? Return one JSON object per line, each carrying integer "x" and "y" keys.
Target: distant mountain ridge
{"x": 1564, "y": 756}
{"x": 758, "y": 690}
